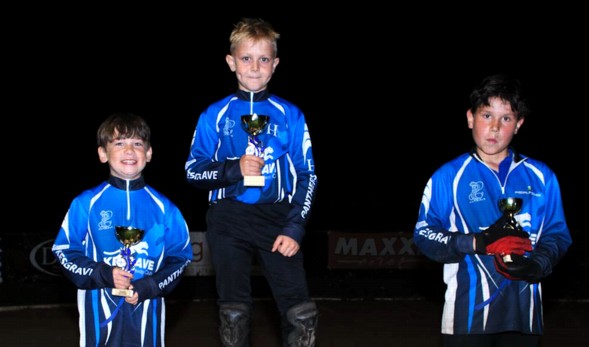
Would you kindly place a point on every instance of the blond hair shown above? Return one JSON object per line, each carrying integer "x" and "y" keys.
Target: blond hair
{"x": 254, "y": 29}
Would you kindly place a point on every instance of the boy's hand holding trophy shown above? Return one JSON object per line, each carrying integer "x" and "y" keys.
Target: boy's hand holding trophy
{"x": 254, "y": 125}
{"x": 505, "y": 237}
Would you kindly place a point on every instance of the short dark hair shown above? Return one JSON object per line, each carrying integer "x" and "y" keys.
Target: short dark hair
{"x": 123, "y": 125}
{"x": 504, "y": 87}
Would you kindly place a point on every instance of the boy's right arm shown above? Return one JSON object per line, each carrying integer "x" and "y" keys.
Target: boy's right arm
{"x": 203, "y": 170}
{"x": 69, "y": 250}
{"x": 83, "y": 271}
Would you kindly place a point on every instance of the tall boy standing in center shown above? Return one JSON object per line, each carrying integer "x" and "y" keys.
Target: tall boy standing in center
{"x": 266, "y": 222}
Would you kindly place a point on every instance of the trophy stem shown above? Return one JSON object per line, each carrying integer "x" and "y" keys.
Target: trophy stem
{"x": 254, "y": 125}
{"x": 128, "y": 236}
{"x": 509, "y": 207}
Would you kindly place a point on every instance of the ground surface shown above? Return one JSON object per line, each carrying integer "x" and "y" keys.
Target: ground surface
{"x": 343, "y": 323}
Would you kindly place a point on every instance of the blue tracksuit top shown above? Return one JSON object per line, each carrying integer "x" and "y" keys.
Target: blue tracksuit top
{"x": 219, "y": 141}
{"x": 87, "y": 248}
{"x": 461, "y": 198}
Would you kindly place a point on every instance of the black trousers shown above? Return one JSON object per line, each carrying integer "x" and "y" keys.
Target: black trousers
{"x": 236, "y": 234}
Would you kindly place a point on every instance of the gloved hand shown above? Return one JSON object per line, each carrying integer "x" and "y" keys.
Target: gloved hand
{"x": 519, "y": 269}
{"x": 510, "y": 245}
{"x": 498, "y": 239}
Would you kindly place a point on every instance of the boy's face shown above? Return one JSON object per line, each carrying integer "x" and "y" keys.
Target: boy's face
{"x": 253, "y": 63}
{"x": 126, "y": 157}
{"x": 493, "y": 128}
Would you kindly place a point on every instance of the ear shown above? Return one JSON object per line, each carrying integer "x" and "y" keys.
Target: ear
{"x": 276, "y": 61}
{"x": 148, "y": 154}
{"x": 102, "y": 154}
{"x": 518, "y": 125}
{"x": 469, "y": 118}
{"x": 231, "y": 62}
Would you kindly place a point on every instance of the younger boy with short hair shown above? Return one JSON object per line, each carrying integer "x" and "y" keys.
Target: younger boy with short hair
{"x": 95, "y": 259}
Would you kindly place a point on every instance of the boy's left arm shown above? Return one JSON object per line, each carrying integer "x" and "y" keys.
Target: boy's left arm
{"x": 177, "y": 255}
{"x": 551, "y": 242}
{"x": 306, "y": 183}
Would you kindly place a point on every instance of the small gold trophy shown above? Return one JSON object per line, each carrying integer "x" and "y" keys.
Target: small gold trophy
{"x": 254, "y": 125}
{"x": 509, "y": 207}
{"x": 128, "y": 236}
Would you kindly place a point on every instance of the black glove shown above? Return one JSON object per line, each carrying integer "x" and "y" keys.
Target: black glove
{"x": 519, "y": 269}
{"x": 498, "y": 239}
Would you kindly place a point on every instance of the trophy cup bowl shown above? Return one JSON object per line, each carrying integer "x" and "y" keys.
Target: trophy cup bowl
{"x": 254, "y": 124}
{"x": 509, "y": 207}
{"x": 128, "y": 236}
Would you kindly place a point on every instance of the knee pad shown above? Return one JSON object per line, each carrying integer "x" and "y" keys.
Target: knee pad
{"x": 303, "y": 317}
{"x": 235, "y": 324}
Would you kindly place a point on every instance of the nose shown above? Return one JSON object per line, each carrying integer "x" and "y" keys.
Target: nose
{"x": 255, "y": 65}
{"x": 128, "y": 148}
{"x": 495, "y": 125}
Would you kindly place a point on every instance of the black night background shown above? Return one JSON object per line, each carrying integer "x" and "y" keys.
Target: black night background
{"x": 385, "y": 101}
{"x": 384, "y": 90}
{"x": 385, "y": 95}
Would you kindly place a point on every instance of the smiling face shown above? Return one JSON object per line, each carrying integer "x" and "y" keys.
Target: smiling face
{"x": 493, "y": 128}
{"x": 126, "y": 157}
{"x": 253, "y": 62}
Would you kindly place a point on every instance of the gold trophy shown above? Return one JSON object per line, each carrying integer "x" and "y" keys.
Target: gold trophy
{"x": 128, "y": 236}
{"x": 254, "y": 125}
{"x": 509, "y": 207}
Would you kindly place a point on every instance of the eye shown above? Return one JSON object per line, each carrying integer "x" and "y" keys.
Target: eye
{"x": 245, "y": 59}
{"x": 265, "y": 60}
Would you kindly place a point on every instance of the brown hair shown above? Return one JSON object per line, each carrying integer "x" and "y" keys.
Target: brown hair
{"x": 123, "y": 125}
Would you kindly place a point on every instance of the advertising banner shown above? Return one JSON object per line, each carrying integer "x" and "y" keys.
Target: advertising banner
{"x": 383, "y": 250}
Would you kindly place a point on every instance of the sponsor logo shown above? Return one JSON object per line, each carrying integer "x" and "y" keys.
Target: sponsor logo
{"x": 373, "y": 250}
{"x": 43, "y": 260}
{"x": 476, "y": 193}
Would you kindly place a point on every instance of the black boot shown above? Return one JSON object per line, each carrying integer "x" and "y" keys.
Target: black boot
{"x": 303, "y": 324}
{"x": 235, "y": 324}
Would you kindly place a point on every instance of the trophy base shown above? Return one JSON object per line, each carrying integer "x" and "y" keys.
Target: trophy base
{"x": 122, "y": 292}
{"x": 507, "y": 258}
{"x": 254, "y": 181}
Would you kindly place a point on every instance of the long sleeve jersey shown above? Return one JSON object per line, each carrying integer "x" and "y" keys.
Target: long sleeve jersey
{"x": 461, "y": 199}
{"x": 219, "y": 141}
{"x": 87, "y": 248}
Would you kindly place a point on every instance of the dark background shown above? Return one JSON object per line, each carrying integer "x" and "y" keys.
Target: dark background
{"x": 384, "y": 91}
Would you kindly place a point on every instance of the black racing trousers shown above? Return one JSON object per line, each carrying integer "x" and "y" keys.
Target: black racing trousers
{"x": 236, "y": 234}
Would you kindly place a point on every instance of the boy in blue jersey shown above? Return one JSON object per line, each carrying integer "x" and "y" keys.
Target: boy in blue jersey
{"x": 121, "y": 291}
{"x": 491, "y": 301}
{"x": 268, "y": 221}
